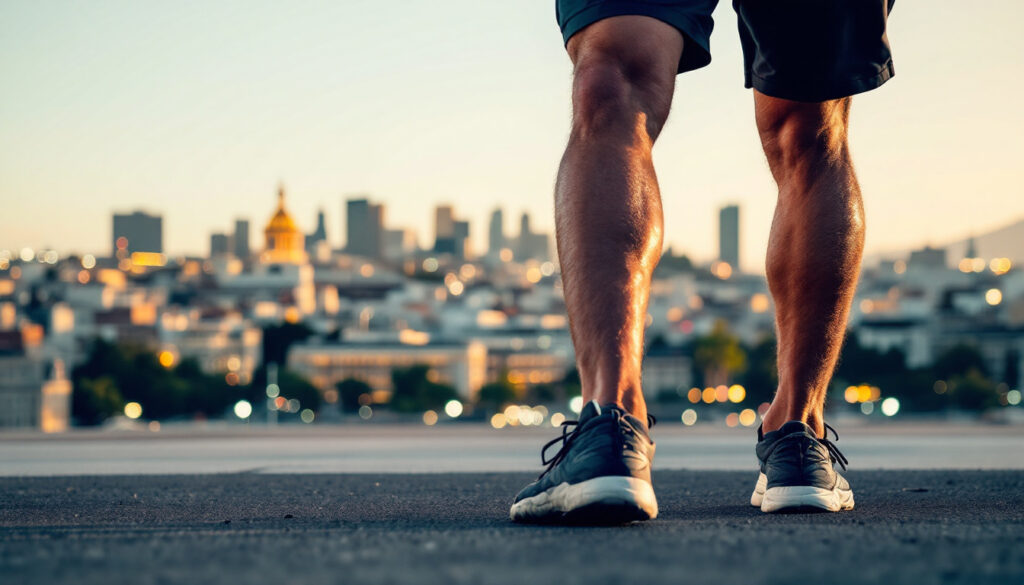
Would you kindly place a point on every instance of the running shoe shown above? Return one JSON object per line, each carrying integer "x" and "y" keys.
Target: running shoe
{"x": 600, "y": 475}
{"x": 797, "y": 473}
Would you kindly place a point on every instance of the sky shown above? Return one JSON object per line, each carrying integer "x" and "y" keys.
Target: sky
{"x": 197, "y": 110}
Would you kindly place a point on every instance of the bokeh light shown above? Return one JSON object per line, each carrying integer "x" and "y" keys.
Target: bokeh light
{"x": 737, "y": 393}
{"x": 511, "y": 414}
{"x": 133, "y": 410}
{"x": 453, "y": 408}
{"x": 576, "y": 404}
{"x": 890, "y": 406}
{"x": 708, "y": 395}
{"x": 993, "y": 296}
{"x": 166, "y": 359}
{"x": 748, "y": 417}
{"x": 1013, "y": 397}
{"x": 498, "y": 421}
{"x": 759, "y": 303}
{"x": 689, "y": 417}
{"x": 243, "y": 409}
{"x": 722, "y": 393}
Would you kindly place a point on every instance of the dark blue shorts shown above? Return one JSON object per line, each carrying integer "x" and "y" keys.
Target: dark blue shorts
{"x": 802, "y": 50}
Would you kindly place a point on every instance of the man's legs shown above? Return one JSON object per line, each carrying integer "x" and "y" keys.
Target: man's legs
{"x": 607, "y": 204}
{"x": 815, "y": 248}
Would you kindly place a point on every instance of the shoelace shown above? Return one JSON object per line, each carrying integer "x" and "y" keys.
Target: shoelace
{"x": 837, "y": 456}
{"x": 567, "y": 437}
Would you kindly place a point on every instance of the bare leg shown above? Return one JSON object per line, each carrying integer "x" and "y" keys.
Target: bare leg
{"x": 815, "y": 248}
{"x": 607, "y": 204}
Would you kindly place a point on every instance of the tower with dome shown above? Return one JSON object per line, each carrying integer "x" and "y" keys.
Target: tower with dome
{"x": 285, "y": 242}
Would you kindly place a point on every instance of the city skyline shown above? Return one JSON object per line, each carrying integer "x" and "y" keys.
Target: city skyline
{"x": 406, "y": 240}
{"x": 120, "y": 106}
{"x": 336, "y": 235}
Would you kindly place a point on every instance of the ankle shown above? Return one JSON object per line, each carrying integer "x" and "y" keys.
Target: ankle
{"x": 776, "y": 416}
{"x": 634, "y": 406}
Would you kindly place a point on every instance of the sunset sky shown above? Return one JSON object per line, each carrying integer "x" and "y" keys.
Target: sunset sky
{"x": 196, "y": 110}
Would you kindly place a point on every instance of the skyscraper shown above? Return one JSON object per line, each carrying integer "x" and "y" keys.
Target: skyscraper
{"x": 496, "y": 232}
{"x": 729, "y": 235}
{"x": 398, "y": 244}
{"x": 240, "y": 240}
{"x": 319, "y": 234}
{"x": 220, "y": 245}
{"x": 530, "y": 245}
{"x": 137, "y": 232}
{"x": 376, "y": 229}
{"x": 364, "y": 222}
{"x": 461, "y": 238}
{"x": 444, "y": 222}
{"x": 444, "y": 231}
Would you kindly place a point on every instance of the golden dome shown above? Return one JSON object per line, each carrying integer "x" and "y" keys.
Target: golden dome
{"x": 281, "y": 222}
{"x": 285, "y": 242}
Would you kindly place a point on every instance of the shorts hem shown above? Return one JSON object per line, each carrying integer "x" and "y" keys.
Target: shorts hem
{"x": 818, "y": 92}
{"x": 696, "y": 49}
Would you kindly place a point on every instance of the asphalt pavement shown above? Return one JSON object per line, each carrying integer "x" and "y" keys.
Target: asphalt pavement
{"x": 915, "y": 527}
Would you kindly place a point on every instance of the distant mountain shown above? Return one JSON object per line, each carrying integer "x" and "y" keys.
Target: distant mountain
{"x": 1005, "y": 242}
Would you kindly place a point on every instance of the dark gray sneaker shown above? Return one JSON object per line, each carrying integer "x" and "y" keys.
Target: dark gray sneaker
{"x": 797, "y": 471}
{"x": 601, "y": 474}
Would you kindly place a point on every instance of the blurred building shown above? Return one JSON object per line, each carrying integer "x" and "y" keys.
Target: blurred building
{"x": 445, "y": 238}
{"x": 667, "y": 367}
{"x": 364, "y": 223}
{"x": 398, "y": 245}
{"x": 220, "y": 341}
{"x": 444, "y": 222}
{"x": 34, "y": 393}
{"x": 463, "y": 365}
{"x": 462, "y": 249}
{"x": 240, "y": 239}
{"x": 729, "y": 235}
{"x": 319, "y": 235}
{"x": 496, "y": 233}
{"x": 527, "y": 367}
{"x": 285, "y": 242}
{"x": 137, "y": 232}
{"x": 927, "y": 258}
{"x": 530, "y": 245}
{"x": 220, "y": 245}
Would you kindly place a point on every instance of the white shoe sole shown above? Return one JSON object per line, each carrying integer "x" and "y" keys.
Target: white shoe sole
{"x": 610, "y": 499}
{"x": 789, "y": 498}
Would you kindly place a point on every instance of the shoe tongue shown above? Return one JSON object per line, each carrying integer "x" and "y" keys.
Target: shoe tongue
{"x": 795, "y": 426}
{"x": 590, "y": 410}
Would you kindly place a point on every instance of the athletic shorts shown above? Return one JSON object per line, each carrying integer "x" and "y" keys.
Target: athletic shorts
{"x": 801, "y": 50}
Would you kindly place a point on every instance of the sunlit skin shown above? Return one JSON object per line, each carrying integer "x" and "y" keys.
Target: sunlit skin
{"x": 609, "y": 224}
{"x": 608, "y": 215}
{"x": 814, "y": 249}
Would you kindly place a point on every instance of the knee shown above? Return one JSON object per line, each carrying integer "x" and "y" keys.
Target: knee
{"x": 614, "y": 91}
{"x": 798, "y": 135}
